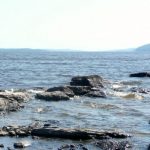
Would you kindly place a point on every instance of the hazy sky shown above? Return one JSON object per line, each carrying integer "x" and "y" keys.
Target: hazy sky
{"x": 74, "y": 24}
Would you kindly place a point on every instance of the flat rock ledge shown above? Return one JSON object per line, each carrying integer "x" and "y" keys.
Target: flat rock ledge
{"x": 56, "y": 132}
{"x": 140, "y": 74}
{"x": 76, "y": 134}
{"x": 90, "y": 86}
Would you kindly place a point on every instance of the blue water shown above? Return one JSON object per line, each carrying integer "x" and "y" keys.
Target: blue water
{"x": 40, "y": 68}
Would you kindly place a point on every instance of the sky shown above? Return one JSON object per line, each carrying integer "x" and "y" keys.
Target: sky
{"x": 74, "y": 24}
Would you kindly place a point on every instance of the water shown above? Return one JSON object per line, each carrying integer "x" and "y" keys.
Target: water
{"x": 30, "y": 68}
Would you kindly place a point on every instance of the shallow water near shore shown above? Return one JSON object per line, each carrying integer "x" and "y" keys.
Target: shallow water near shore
{"x": 28, "y": 69}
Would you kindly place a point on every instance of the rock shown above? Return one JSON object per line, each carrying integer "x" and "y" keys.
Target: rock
{"x": 75, "y": 134}
{"x": 2, "y": 145}
{"x": 113, "y": 145}
{"x": 148, "y": 147}
{"x": 52, "y": 96}
{"x": 72, "y": 147}
{"x": 19, "y": 145}
{"x": 15, "y": 96}
{"x": 140, "y": 74}
{"x": 11, "y": 101}
{"x": 12, "y": 133}
{"x": 99, "y": 93}
{"x": 9, "y": 105}
{"x": 64, "y": 89}
{"x": 3, "y": 133}
{"x": 140, "y": 90}
{"x": 80, "y": 90}
{"x": 92, "y": 81}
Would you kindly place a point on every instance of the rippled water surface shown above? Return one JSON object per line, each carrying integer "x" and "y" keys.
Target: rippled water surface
{"x": 31, "y": 68}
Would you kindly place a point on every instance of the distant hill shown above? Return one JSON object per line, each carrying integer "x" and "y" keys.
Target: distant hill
{"x": 144, "y": 48}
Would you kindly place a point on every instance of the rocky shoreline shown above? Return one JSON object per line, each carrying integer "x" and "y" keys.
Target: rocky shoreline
{"x": 83, "y": 86}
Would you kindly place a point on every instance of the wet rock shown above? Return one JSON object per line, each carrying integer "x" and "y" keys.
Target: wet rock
{"x": 12, "y": 133}
{"x": 19, "y": 145}
{"x": 91, "y": 80}
{"x": 73, "y": 147}
{"x": 3, "y": 132}
{"x": 52, "y": 96}
{"x": 80, "y": 90}
{"x": 99, "y": 93}
{"x": 16, "y": 130}
{"x": 140, "y": 90}
{"x": 1, "y": 145}
{"x": 64, "y": 89}
{"x": 75, "y": 134}
{"x": 113, "y": 145}
{"x": 13, "y": 106}
{"x": 11, "y": 101}
{"x": 15, "y": 96}
{"x": 148, "y": 147}
{"x": 140, "y": 74}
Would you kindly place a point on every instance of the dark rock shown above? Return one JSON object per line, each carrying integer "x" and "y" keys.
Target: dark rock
{"x": 140, "y": 90}
{"x": 113, "y": 145}
{"x": 19, "y": 145}
{"x": 80, "y": 90}
{"x": 52, "y": 96}
{"x": 2, "y": 145}
{"x": 148, "y": 147}
{"x": 75, "y": 134}
{"x": 64, "y": 89}
{"x": 12, "y": 133}
{"x": 140, "y": 74}
{"x": 72, "y": 147}
{"x": 99, "y": 93}
{"x": 92, "y": 81}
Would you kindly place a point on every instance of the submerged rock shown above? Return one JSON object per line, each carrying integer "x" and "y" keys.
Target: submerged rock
{"x": 113, "y": 145}
{"x": 52, "y": 96}
{"x": 140, "y": 74}
{"x": 91, "y": 80}
{"x": 75, "y": 134}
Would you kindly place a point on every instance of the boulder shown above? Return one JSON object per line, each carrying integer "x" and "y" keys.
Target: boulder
{"x": 64, "y": 89}
{"x": 75, "y": 134}
{"x": 92, "y": 81}
{"x": 11, "y": 101}
{"x": 15, "y": 96}
{"x": 52, "y": 96}
{"x": 113, "y": 145}
{"x": 19, "y": 145}
{"x": 140, "y": 74}
{"x": 99, "y": 93}
{"x": 80, "y": 90}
